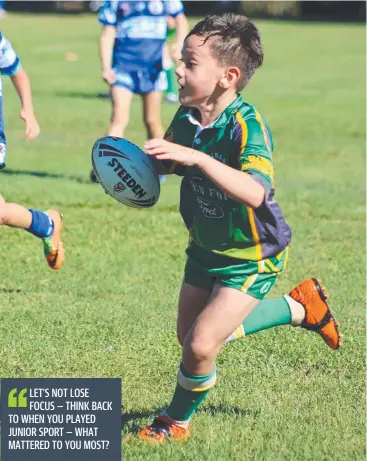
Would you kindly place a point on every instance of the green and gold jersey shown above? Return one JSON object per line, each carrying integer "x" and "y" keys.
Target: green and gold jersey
{"x": 241, "y": 139}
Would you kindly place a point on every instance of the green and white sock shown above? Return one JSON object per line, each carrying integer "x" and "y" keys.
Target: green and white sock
{"x": 269, "y": 313}
{"x": 190, "y": 391}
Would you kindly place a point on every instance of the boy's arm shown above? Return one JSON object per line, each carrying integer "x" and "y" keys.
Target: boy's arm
{"x": 182, "y": 29}
{"x": 252, "y": 184}
{"x": 22, "y": 85}
{"x": 236, "y": 184}
{"x": 107, "y": 17}
{"x": 106, "y": 43}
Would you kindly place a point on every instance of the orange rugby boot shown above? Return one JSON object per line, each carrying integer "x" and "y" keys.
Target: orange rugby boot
{"x": 53, "y": 247}
{"x": 161, "y": 431}
{"x": 319, "y": 316}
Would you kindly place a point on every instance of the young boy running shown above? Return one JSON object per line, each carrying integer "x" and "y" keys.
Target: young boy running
{"x": 45, "y": 225}
{"x": 238, "y": 236}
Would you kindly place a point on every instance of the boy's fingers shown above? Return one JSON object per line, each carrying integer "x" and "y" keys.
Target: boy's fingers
{"x": 156, "y": 151}
{"x": 154, "y": 143}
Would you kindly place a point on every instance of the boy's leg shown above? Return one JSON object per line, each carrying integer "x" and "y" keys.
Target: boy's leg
{"x": 152, "y": 114}
{"x": 191, "y": 303}
{"x": 152, "y": 117}
{"x": 305, "y": 306}
{"x": 121, "y": 98}
{"x": 226, "y": 308}
{"x": 44, "y": 225}
{"x": 14, "y": 215}
{"x": 121, "y": 102}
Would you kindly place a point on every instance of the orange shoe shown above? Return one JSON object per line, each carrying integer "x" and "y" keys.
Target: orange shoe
{"x": 318, "y": 317}
{"x": 53, "y": 247}
{"x": 161, "y": 431}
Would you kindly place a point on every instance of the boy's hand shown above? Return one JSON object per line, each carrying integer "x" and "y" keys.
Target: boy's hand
{"x": 32, "y": 128}
{"x": 164, "y": 150}
{"x": 109, "y": 76}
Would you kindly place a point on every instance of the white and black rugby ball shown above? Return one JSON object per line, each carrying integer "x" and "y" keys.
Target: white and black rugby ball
{"x": 125, "y": 172}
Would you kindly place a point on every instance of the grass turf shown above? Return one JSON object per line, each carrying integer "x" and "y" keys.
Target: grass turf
{"x": 281, "y": 394}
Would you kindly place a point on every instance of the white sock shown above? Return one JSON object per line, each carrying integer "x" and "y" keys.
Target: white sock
{"x": 2, "y": 152}
{"x": 298, "y": 312}
{"x": 169, "y": 420}
{"x": 237, "y": 334}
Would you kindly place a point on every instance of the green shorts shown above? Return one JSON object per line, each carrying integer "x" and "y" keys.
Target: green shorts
{"x": 255, "y": 278}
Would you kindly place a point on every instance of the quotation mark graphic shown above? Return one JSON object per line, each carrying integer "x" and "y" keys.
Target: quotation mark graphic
{"x": 19, "y": 401}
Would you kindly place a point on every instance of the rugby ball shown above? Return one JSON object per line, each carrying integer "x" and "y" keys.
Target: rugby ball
{"x": 125, "y": 172}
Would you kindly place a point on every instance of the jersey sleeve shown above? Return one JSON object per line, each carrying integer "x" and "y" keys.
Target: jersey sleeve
{"x": 107, "y": 15}
{"x": 174, "y": 7}
{"x": 255, "y": 150}
{"x": 9, "y": 61}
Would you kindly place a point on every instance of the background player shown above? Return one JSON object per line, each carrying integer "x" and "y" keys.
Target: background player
{"x": 45, "y": 225}
{"x": 131, "y": 48}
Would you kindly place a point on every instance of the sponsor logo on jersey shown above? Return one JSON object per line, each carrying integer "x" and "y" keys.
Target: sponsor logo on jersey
{"x": 265, "y": 288}
{"x": 209, "y": 210}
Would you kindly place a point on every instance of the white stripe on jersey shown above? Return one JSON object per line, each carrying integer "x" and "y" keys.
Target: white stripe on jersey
{"x": 8, "y": 56}
{"x": 143, "y": 27}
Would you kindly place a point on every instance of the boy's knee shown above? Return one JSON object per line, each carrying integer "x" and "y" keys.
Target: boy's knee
{"x": 152, "y": 123}
{"x": 202, "y": 347}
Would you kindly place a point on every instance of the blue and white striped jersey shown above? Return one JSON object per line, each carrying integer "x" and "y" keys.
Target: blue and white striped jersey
{"x": 141, "y": 29}
{"x": 9, "y": 61}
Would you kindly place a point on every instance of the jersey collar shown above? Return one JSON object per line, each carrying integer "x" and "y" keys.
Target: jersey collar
{"x": 222, "y": 120}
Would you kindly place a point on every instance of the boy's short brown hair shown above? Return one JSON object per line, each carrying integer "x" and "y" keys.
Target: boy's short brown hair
{"x": 236, "y": 42}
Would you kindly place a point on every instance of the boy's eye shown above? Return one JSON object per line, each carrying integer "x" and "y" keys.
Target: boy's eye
{"x": 188, "y": 64}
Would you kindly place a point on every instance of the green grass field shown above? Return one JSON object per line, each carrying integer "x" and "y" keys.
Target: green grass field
{"x": 111, "y": 311}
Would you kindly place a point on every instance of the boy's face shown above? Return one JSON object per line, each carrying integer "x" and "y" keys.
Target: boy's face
{"x": 199, "y": 74}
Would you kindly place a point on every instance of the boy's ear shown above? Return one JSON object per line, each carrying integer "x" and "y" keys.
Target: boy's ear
{"x": 230, "y": 78}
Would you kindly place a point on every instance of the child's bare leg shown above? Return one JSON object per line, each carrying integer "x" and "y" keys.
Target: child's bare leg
{"x": 44, "y": 225}
{"x": 152, "y": 114}
{"x": 14, "y": 215}
{"x": 191, "y": 303}
{"x": 121, "y": 101}
{"x": 227, "y": 308}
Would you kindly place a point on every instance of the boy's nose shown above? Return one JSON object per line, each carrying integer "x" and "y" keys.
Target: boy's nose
{"x": 180, "y": 70}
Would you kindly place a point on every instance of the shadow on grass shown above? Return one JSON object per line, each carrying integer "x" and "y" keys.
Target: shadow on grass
{"x": 131, "y": 419}
{"x": 82, "y": 95}
{"x": 44, "y": 174}
{"x": 11, "y": 290}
